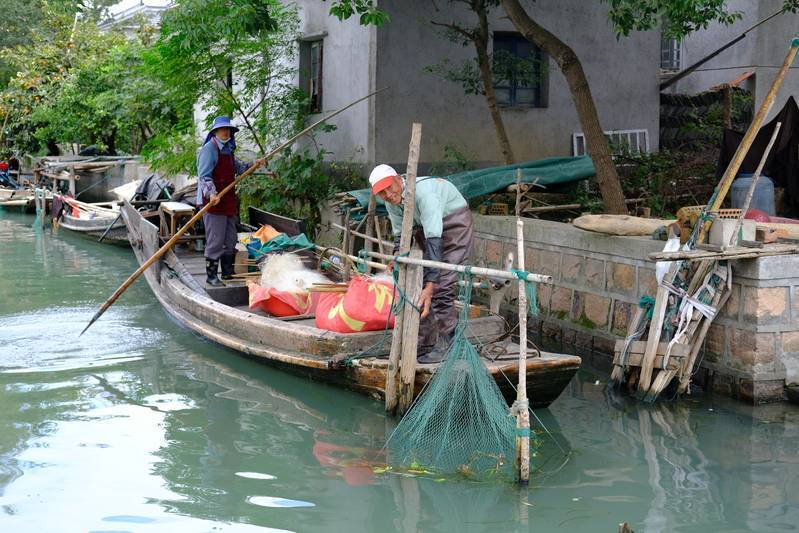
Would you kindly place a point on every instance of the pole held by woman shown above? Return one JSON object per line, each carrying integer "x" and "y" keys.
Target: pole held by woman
{"x": 171, "y": 242}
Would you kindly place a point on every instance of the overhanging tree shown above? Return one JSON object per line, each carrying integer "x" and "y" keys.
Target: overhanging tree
{"x": 479, "y": 80}
{"x": 232, "y": 57}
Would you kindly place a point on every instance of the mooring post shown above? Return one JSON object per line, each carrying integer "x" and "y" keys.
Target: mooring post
{"x": 405, "y": 246}
{"x": 410, "y": 333}
{"x": 522, "y": 411}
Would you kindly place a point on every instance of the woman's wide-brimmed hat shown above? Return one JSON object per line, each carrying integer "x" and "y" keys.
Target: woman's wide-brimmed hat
{"x": 223, "y": 122}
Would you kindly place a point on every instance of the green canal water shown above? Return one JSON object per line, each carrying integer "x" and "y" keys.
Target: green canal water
{"x": 141, "y": 426}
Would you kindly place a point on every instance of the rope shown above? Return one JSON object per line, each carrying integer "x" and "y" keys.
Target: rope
{"x": 531, "y": 289}
{"x": 648, "y": 304}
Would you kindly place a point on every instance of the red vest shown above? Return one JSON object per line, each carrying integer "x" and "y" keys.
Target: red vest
{"x": 225, "y": 174}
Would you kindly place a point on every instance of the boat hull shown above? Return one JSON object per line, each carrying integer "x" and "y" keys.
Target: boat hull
{"x": 301, "y": 348}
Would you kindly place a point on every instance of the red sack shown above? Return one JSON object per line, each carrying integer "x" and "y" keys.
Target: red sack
{"x": 279, "y": 303}
{"x": 330, "y": 314}
{"x": 369, "y": 301}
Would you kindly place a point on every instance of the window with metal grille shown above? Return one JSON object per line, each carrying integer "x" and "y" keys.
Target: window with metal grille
{"x": 670, "y": 53}
{"x": 520, "y": 73}
{"x": 311, "y": 56}
{"x": 621, "y": 142}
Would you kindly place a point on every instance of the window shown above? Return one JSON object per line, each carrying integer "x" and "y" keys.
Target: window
{"x": 311, "y": 55}
{"x": 621, "y": 142}
{"x": 520, "y": 73}
{"x": 670, "y": 53}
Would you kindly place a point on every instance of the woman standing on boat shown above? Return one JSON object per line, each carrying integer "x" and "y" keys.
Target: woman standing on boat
{"x": 217, "y": 167}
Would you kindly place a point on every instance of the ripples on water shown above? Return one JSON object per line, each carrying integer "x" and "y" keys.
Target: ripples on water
{"x": 140, "y": 426}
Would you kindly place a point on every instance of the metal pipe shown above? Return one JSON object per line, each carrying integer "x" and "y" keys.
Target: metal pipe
{"x": 480, "y": 271}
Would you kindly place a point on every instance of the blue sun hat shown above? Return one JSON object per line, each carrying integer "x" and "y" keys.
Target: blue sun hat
{"x": 222, "y": 122}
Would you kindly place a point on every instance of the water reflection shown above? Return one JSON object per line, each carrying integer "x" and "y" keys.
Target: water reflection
{"x": 140, "y": 426}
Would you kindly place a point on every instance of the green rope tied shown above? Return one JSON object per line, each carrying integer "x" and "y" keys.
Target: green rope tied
{"x": 522, "y": 432}
{"x": 397, "y": 307}
{"x": 531, "y": 288}
{"x": 647, "y": 303}
{"x": 363, "y": 255}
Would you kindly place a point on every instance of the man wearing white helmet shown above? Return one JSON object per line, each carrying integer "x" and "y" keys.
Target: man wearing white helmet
{"x": 444, "y": 230}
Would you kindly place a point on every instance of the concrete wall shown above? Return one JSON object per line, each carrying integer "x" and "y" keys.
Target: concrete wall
{"x": 729, "y": 64}
{"x": 762, "y": 51}
{"x": 347, "y": 71}
{"x": 623, "y": 75}
{"x": 752, "y": 349}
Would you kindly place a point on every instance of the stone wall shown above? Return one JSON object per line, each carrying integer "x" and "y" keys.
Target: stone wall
{"x": 751, "y": 351}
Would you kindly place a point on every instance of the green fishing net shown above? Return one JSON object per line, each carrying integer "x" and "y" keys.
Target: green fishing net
{"x": 460, "y": 424}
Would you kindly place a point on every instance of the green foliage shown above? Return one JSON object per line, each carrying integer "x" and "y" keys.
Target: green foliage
{"x": 367, "y": 11}
{"x": 679, "y": 17}
{"x": 454, "y": 161}
{"x": 297, "y": 189}
{"x": 76, "y": 84}
{"x": 706, "y": 127}
{"x": 207, "y": 44}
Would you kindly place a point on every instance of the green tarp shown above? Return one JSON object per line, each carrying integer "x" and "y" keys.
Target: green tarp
{"x": 550, "y": 171}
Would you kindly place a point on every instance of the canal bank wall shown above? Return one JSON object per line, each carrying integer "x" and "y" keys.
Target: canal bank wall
{"x": 751, "y": 351}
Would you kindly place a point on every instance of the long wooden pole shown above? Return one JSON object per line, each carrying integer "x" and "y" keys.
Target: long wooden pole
{"x": 523, "y": 414}
{"x": 410, "y": 335}
{"x": 171, "y": 242}
{"x": 732, "y": 169}
{"x": 409, "y": 194}
{"x": 755, "y": 178}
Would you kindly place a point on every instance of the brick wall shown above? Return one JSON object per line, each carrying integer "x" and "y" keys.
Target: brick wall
{"x": 752, "y": 348}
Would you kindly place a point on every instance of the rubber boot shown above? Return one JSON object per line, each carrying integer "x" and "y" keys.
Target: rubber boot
{"x": 227, "y": 261}
{"x": 439, "y": 351}
{"x": 211, "y": 267}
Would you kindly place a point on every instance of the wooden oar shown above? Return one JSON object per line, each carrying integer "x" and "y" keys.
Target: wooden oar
{"x": 171, "y": 242}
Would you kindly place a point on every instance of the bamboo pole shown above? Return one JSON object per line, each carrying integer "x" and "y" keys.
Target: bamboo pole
{"x": 171, "y": 242}
{"x": 347, "y": 242}
{"x": 522, "y": 411}
{"x": 410, "y": 334}
{"x": 370, "y": 225}
{"x": 476, "y": 271}
{"x": 364, "y": 236}
{"x": 732, "y": 169}
{"x": 755, "y": 178}
{"x": 405, "y": 246}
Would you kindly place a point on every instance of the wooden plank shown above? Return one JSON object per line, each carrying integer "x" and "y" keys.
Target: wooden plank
{"x": 405, "y": 246}
{"x": 639, "y": 347}
{"x": 290, "y": 226}
{"x": 410, "y": 335}
{"x": 655, "y": 331}
{"x": 732, "y": 252}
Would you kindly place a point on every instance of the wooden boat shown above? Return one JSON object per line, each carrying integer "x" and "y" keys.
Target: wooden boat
{"x": 94, "y": 220}
{"x": 296, "y": 344}
{"x": 22, "y": 199}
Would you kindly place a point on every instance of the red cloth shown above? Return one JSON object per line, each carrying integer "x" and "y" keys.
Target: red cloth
{"x": 281, "y": 303}
{"x": 3, "y": 166}
{"x": 225, "y": 174}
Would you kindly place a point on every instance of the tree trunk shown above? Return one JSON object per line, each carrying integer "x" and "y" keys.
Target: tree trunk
{"x": 596, "y": 142}
{"x": 481, "y": 47}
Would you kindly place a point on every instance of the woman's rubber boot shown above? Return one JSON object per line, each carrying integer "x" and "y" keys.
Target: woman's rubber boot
{"x": 227, "y": 266}
{"x": 211, "y": 267}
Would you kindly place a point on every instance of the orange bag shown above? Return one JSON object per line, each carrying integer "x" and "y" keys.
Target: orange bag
{"x": 369, "y": 301}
